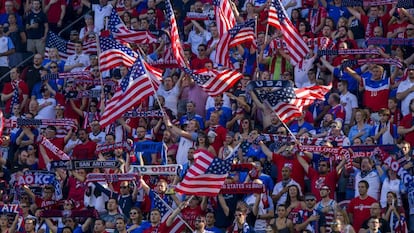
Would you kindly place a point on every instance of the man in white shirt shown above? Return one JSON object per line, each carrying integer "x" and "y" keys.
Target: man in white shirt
{"x": 405, "y": 91}
{"x": 102, "y": 12}
{"x": 349, "y": 101}
{"x": 77, "y": 61}
{"x": 279, "y": 194}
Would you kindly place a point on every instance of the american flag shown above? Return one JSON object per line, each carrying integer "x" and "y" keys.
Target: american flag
{"x": 67, "y": 48}
{"x": 295, "y": 44}
{"x": 225, "y": 21}
{"x": 177, "y": 49}
{"x": 113, "y": 54}
{"x": 242, "y": 33}
{"x": 213, "y": 81}
{"x": 178, "y": 225}
{"x": 206, "y": 176}
{"x": 288, "y": 102}
{"x": 122, "y": 33}
{"x": 133, "y": 89}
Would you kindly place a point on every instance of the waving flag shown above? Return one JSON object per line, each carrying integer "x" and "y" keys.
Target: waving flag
{"x": 225, "y": 21}
{"x": 121, "y": 32}
{"x": 177, "y": 49}
{"x": 206, "y": 176}
{"x": 288, "y": 102}
{"x": 133, "y": 89}
{"x": 178, "y": 224}
{"x": 213, "y": 81}
{"x": 278, "y": 18}
{"x": 242, "y": 33}
{"x": 113, "y": 54}
{"x": 67, "y": 48}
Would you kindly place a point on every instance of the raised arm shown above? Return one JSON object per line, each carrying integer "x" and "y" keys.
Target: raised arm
{"x": 354, "y": 13}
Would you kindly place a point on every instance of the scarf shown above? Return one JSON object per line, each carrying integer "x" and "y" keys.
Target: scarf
{"x": 79, "y": 164}
{"x": 242, "y": 188}
{"x": 126, "y": 146}
{"x": 246, "y": 228}
{"x": 54, "y": 149}
{"x": 20, "y": 122}
{"x": 171, "y": 169}
{"x": 390, "y": 41}
{"x": 110, "y": 178}
{"x": 389, "y": 61}
{"x": 334, "y": 52}
{"x": 15, "y": 97}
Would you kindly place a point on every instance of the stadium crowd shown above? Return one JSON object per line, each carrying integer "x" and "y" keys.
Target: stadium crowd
{"x": 371, "y": 104}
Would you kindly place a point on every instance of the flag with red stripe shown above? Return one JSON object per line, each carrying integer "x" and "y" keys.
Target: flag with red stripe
{"x": 177, "y": 49}
{"x": 279, "y": 19}
{"x": 121, "y": 32}
{"x": 133, "y": 89}
{"x": 207, "y": 175}
{"x": 113, "y": 54}
{"x": 214, "y": 81}
{"x": 225, "y": 20}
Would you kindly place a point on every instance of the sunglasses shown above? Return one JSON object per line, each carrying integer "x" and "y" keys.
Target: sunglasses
{"x": 123, "y": 187}
{"x": 133, "y": 213}
{"x": 53, "y": 67}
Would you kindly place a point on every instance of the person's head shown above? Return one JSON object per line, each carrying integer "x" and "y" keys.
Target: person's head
{"x": 343, "y": 86}
{"x": 411, "y": 106}
{"x": 360, "y": 115}
{"x": 168, "y": 83}
{"x": 190, "y": 106}
{"x": 357, "y": 141}
{"x": 324, "y": 166}
{"x": 37, "y": 60}
{"x": 310, "y": 200}
{"x": 9, "y": 7}
{"x": 30, "y": 224}
{"x": 15, "y": 73}
{"x": 36, "y": 4}
{"x": 155, "y": 216}
{"x": 334, "y": 99}
{"x": 162, "y": 186}
{"x": 202, "y": 50}
{"x": 124, "y": 188}
{"x": 324, "y": 191}
{"x": 83, "y": 135}
{"x": 200, "y": 223}
{"x": 374, "y": 224}
{"x": 366, "y": 164}
{"x": 99, "y": 226}
{"x": 135, "y": 215}
{"x": 210, "y": 219}
{"x": 240, "y": 216}
{"x": 293, "y": 191}
{"x": 69, "y": 222}
{"x": 363, "y": 186}
{"x": 384, "y": 114}
{"x": 391, "y": 198}
{"x": 286, "y": 172}
{"x": 377, "y": 72}
{"x": 375, "y": 209}
{"x": 112, "y": 205}
{"x": 374, "y": 11}
{"x": 405, "y": 147}
{"x": 120, "y": 224}
{"x": 78, "y": 47}
{"x": 281, "y": 211}
{"x": 214, "y": 118}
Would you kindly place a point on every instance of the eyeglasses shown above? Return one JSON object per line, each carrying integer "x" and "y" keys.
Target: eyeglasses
{"x": 280, "y": 132}
{"x": 150, "y": 13}
{"x": 238, "y": 215}
{"x": 199, "y": 220}
{"x": 323, "y": 165}
{"x": 201, "y": 50}
{"x": 25, "y": 206}
{"x": 310, "y": 200}
{"x": 92, "y": 105}
{"x": 123, "y": 187}
{"x": 409, "y": 29}
{"x": 133, "y": 213}
{"x": 53, "y": 67}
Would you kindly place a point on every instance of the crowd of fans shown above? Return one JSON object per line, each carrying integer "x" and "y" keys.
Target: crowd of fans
{"x": 369, "y": 104}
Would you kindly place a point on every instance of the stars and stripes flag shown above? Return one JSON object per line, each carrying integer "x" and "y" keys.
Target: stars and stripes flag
{"x": 288, "y": 102}
{"x": 133, "y": 89}
{"x": 122, "y": 33}
{"x": 178, "y": 225}
{"x": 225, "y": 20}
{"x": 177, "y": 49}
{"x": 113, "y": 54}
{"x": 242, "y": 33}
{"x": 214, "y": 81}
{"x": 206, "y": 176}
{"x": 279, "y": 19}
{"x": 67, "y": 48}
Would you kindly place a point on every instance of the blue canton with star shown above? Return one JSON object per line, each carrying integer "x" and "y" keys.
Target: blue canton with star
{"x": 54, "y": 41}
{"x": 107, "y": 43}
{"x": 285, "y": 94}
{"x": 279, "y": 10}
{"x": 249, "y": 23}
{"x": 220, "y": 166}
{"x": 168, "y": 9}
{"x": 114, "y": 22}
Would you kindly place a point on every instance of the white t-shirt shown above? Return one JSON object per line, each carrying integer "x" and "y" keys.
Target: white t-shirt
{"x": 5, "y": 45}
{"x": 373, "y": 180}
{"x": 301, "y": 72}
{"x": 349, "y": 101}
{"x": 195, "y": 39}
{"x": 404, "y": 85}
{"x": 171, "y": 97}
{"x": 279, "y": 186}
{"x": 100, "y": 137}
{"x": 100, "y": 14}
{"x": 75, "y": 58}
{"x": 47, "y": 112}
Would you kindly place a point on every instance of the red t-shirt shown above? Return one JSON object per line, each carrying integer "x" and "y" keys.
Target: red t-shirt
{"x": 8, "y": 88}
{"x": 360, "y": 210}
{"x": 41, "y": 203}
{"x": 190, "y": 215}
{"x": 318, "y": 180}
{"x": 199, "y": 63}
{"x": 76, "y": 190}
{"x": 84, "y": 151}
{"x": 369, "y": 27}
{"x": 59, "y": 143}
{"x": 298, "y": 174}
{"x": 220, "y": 138}
{"x": 407, "y": 122}
{"x": 53, "y": 14}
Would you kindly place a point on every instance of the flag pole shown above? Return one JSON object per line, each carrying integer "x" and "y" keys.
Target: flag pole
{"x": 170, "y": 208}
{"x": 98, "y": 53}
{"x": 283, "y": 123}
{"x": 257, "y": 54}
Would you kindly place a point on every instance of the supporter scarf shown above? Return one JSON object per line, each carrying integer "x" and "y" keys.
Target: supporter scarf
{"x": 365, "y": 3}
{"x": 110, "y": 178}
{"x": 107, "y": 82}
{"x": 333, "y": 52}
{"x": 76, "y": 75}
{"x": 83, "y": 94}
{"x": 196, "y": 16}
{"x": 339, "y": 153}
{"x": 171, "y": 169}
{"x": 137, "y": 113}
{"x": 20, "y": 122}
{"x": 246, "y": 228}
{"x": 34, "y": 178}
{"x": 148, "y": 147}
{"x": 242, "y": 188}
{"x": 11, "y": 208}
{"x": 390, "y": 41}
{"x": 81, "y": 164}
{"x": 15, "y": 97}
{"x": 162, "y": 64}
{"x": 388, "y": 61}
{"x": 245, "y": 167}
{"x": 69, "y": 213}
{"x": 126, "y": 146}
{"x": 289, "y": 138}
{"x": 1, "y": 125}
{"x": 52, "y": 148}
